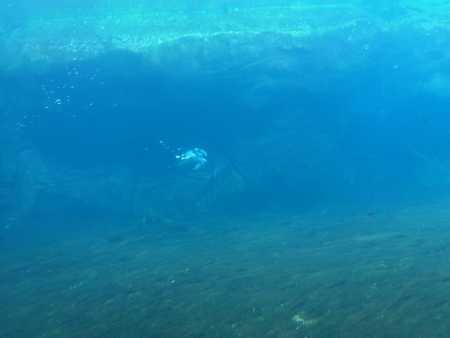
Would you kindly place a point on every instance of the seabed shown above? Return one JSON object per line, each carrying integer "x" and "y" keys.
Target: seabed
{"x": 384, "y": 273}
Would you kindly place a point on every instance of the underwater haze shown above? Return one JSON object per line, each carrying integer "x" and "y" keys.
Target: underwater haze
{"x": 224, "y": 168}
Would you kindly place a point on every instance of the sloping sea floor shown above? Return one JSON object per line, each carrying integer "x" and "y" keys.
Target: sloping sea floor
{"x": 380, "y": 273}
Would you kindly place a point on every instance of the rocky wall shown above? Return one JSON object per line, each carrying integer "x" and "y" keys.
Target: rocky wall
{"x": 297, "y": 84}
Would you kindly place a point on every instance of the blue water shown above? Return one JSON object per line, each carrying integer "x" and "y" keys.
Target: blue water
{"x": 224, "y": 169}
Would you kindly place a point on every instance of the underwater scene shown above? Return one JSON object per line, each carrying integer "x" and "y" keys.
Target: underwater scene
{"x": 225, "y": 168}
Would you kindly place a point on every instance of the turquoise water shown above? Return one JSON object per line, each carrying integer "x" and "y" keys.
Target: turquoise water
{"x": 224, "y": 169}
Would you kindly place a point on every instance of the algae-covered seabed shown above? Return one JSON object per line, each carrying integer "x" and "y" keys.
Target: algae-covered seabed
{"x": 382, "y": 273}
